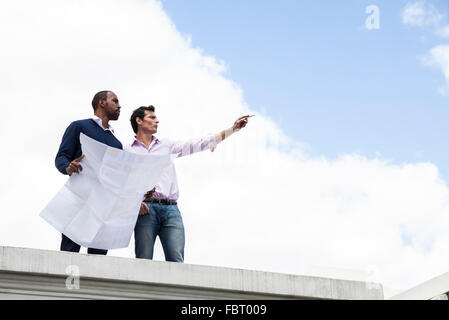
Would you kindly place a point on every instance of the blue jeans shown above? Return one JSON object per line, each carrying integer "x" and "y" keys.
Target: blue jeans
{"x": 164, "y": 221}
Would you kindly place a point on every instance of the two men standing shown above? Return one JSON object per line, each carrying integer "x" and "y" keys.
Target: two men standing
{"x": 158, "y": 215}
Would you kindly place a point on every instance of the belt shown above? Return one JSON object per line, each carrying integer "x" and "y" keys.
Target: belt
{"x": 163, "y": 201}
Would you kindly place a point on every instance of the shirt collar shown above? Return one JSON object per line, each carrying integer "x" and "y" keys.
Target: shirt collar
{"x": 140, "y": 143}
{"x": 100, "y": 123}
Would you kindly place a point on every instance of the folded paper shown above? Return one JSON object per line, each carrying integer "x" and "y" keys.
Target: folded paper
{"x": 98, "y": 207}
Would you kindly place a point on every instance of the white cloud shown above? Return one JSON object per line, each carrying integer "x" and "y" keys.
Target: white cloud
{"x": 421, "y": 14}
{"x": 443, "y": 31}
{"x": 247, "y": 205}
{"x": 438, "y": 58}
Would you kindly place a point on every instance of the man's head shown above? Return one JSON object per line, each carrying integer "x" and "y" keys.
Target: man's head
{"x": 143, "y": 118}
{"x": 105, "y": 103}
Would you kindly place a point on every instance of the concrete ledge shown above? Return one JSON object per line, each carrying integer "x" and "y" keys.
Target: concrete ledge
{"x": 434, "y": 289}
{"x": 41, "y": 274}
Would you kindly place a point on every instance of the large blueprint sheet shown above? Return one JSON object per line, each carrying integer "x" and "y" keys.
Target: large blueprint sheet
{"x": 98, "y": 207}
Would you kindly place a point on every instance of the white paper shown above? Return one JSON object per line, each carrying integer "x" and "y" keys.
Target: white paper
{"x": 98, "y": 208}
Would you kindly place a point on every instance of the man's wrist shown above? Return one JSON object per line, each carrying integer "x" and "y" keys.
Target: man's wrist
{"x": 224, "y": 134}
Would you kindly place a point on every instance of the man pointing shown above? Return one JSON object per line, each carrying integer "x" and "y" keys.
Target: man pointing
{"x": 159, "y": 214}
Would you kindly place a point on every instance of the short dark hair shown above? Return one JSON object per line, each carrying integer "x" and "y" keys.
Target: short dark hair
{"x": 139, "y": 113}
{"x": 102, "y": 95}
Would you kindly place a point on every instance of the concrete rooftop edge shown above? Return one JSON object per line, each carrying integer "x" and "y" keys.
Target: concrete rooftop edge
{"x": 242, "y": 283}
{"x": 428, "y": 290}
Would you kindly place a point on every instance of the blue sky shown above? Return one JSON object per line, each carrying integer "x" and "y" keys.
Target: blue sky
{"x": 326, "y": 80}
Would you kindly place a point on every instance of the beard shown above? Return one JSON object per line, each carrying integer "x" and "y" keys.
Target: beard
{"x": 114, "y": 115}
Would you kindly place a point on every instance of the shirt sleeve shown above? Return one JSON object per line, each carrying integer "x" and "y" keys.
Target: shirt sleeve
{"x": 192, "y": 146}
{"x": 68, "y": 148}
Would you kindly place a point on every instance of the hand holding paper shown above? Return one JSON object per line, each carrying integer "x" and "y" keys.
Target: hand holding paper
{"x": 74, "y": 166}
{"x": 98, "y": 207}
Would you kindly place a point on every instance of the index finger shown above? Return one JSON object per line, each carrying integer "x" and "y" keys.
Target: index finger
{"x": 80, "y": 158}
{"x": 242, "y": 118}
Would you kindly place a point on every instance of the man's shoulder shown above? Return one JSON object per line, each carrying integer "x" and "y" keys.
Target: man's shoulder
{"x": 163, "y": 140}
{"x": 83, "y": 123}
{"x": 130, "y": 146}
{"x": 86, "y": 126}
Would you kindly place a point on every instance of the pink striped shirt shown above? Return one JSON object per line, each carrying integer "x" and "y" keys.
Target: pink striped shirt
{"x": 167, "y": 187}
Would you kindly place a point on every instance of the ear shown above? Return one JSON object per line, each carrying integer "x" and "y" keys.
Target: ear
{"x": 139, "y": 121}
{"x": 101, "y": 103}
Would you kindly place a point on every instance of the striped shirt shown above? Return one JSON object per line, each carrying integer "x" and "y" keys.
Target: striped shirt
{"x": 167, "y": 187}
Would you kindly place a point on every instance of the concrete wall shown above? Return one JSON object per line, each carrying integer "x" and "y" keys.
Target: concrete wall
{"x": 434, "y": 289}
{"x": 43, "y": 274}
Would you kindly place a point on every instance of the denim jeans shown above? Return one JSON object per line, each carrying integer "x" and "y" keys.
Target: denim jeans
{"x": 68, "y": 245}
{"x": 164, "y": 221}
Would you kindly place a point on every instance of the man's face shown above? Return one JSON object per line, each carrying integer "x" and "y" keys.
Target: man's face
{"x": 112, "y": 106}
{"x": 149, "y": 123}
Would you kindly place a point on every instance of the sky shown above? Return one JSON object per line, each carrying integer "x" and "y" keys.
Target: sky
{"x": 325, "y": 79}
{"x": 343, "y": 171}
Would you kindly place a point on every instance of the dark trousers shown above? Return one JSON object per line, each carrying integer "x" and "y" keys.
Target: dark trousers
{"x": 69, "y": 245}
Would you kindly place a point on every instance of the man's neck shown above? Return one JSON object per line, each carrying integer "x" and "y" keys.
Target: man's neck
{"x": 145, "y": 137}
{"x": 104, "y": 119}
